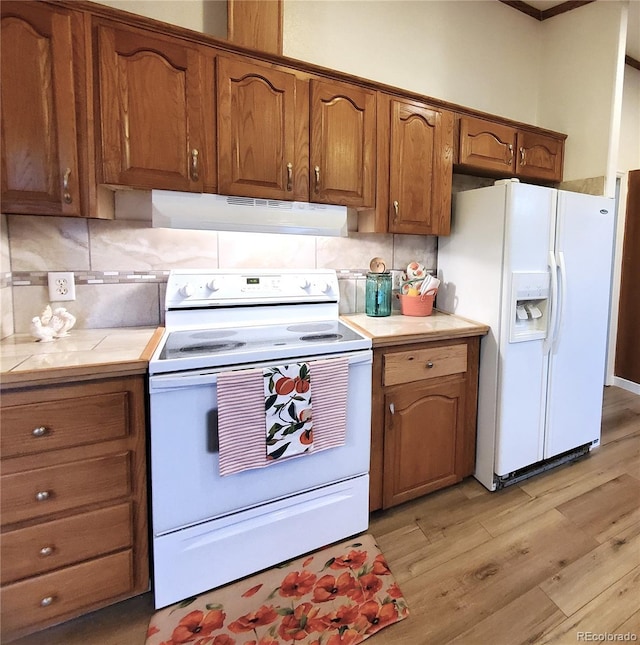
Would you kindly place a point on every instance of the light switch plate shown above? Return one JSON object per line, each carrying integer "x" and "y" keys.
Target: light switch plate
{"x": 62, "y": 286}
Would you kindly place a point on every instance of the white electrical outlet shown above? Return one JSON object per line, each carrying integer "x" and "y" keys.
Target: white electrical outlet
{"x": 62, "y": 286}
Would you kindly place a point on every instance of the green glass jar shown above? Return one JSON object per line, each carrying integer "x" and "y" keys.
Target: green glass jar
{"x": 378, "y": 294}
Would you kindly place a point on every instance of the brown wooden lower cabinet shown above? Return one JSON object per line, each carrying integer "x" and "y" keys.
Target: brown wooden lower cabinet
{"x": 423, "y": 418}
{"x": 73, "y": 498}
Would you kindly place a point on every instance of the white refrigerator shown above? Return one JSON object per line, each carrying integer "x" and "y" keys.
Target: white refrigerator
{"x": 533, "y": 263}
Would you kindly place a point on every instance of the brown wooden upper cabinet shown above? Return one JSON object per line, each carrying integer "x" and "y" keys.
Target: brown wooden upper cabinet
{"x": 256, "y": 130}
{"x": 502, "y": 150}
{"x": 420, "y": 168}
{"x": 282, "y": 136}
{"x": 342, "y": 147}
{"x": 40, "y": 123}
{"x": 151, "y": 102}
{"x": 539, "y": 156}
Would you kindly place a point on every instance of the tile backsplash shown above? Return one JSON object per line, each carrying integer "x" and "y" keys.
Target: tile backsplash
{"x": 121, "y": 267}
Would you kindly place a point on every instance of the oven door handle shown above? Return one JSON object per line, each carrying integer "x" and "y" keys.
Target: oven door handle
{"x": 165, "y": 382}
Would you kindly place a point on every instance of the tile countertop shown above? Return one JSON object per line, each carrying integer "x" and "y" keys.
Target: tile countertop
{"x": 397, "y": 329}
{"x": 84, "y": 354}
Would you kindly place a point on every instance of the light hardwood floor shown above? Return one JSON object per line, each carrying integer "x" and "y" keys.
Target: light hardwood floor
{"x": 540, "y": 562}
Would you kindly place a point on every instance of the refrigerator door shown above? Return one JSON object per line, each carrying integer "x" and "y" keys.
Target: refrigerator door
{"x": 523, "y": 365}
{"x": 583, "y": 251}
{"x": 498, "y": 232}
{"x": 470, "y": 269}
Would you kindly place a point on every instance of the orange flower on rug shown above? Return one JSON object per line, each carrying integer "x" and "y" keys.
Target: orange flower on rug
{"x": 339, "y": 595}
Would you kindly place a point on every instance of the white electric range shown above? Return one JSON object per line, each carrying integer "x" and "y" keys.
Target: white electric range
{"x": 210, "y": 529}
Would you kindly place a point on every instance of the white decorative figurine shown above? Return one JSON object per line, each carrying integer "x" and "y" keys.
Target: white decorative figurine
{"x": 52, "y": 324}
{"x": 62, "y": 321}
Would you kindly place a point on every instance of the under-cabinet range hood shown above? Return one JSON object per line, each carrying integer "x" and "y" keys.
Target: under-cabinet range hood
{"x": 204, "y": 211}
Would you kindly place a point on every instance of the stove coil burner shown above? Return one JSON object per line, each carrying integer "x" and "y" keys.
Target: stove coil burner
{"x": 210, "y": 347}
{"x": 312, "y": 337}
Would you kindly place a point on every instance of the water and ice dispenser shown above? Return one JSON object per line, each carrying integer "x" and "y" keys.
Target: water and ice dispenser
{"x": 529, "y": 306}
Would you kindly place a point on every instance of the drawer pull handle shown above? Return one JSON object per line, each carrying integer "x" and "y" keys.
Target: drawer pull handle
{"x": 46, "y": 550}
{"x": 392, "y": 408}
{"x": 40, "y": 431}
{"x": 42, "y": 496}
{"x": 46, "y": 601}
{"x": 429, "y": 364}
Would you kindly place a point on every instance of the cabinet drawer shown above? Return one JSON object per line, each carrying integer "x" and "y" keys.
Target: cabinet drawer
{"x": 47, "y": 597}
{"x": 43, "y": 491}
{"x": 53, "y": 545}
{"x": 64, "y": 423}
{"x": 404, "y": 367}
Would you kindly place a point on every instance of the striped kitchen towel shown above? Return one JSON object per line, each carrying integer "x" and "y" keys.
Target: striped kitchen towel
{"x": 241, "y": 414}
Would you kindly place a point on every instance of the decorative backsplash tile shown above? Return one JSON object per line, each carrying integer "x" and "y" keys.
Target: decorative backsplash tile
{"x": 39, "y": 278}
{"x": 121, "y": 267}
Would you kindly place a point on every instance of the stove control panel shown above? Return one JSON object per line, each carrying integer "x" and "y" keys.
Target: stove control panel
{"x": 221, "y": 288}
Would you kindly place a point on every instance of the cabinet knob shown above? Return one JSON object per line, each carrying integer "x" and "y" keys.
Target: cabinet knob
{"x": 392, "y": 408}
{"x": 510, "y": 153}
{"x": 46, "y": 550}
{"x": 289, "y": 176}
{"x": 46, "y": 601}
{"x": 42, "y": 496}
{"x": 195, "y": 174}
{"x": 40, "y": 431}
{"x": 523, "y": 154}
{"x": 396, "y": 207}
{"x": 429, "y": 364}
{"x": 66, "y": 195}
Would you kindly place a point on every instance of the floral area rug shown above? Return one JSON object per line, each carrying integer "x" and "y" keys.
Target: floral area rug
{"x": 340, "y": 595}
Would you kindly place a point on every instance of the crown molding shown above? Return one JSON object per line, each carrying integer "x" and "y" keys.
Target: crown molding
{"x": 543, "y": 14}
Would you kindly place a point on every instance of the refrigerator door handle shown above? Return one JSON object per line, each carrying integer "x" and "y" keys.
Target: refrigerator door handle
{"x": 561, "y": 299}
{"x": 553, "y": 302}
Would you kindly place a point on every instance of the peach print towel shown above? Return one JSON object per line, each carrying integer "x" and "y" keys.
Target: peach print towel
{"x": 287, "y": 409}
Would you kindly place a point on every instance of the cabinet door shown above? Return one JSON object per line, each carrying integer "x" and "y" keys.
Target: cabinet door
{"x": 40, "y": 173}
{"x": 539, "y": 156}
{"x": 424, "y": 438}
{"x": 342, "y": 144}
{"x": 487, "y": 146}
{"x": 256, "y": 130}
{"x": 421, "y": 169}
{"x": 150, "y": 110}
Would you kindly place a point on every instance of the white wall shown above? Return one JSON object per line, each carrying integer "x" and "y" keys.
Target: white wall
{"x": 481, "y": 54}
{"x": 581, "y": 86}
{"x": 207, "y": 16}
{"x": 629, "y": 153}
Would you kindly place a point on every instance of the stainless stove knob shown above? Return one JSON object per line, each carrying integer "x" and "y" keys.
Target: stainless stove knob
{"x": 304, "y": 284}
{"x": 186, "y": 290}
{"x": 212, "y": 286}
{"x": 324, "y": 287}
